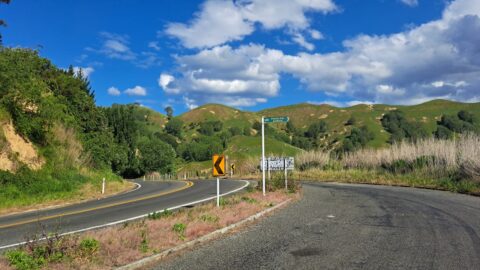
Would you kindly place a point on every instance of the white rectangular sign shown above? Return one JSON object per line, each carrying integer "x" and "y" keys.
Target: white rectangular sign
{"x": 278, "y": 163}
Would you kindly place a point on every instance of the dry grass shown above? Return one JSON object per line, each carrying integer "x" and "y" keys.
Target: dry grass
{"x": 127, "y": 243}
{"x": 310, "y": 159}
{"x": 442, "y": 156}
{"x": 70, "y": 148}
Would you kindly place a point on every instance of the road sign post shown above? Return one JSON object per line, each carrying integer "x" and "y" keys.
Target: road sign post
{"x": 285, "y": 167}
{"x": 218, "y": 170}
{"x": 218, "y": 192}
{"x": 282, "y": 119}
{"x": 263, "y": 155}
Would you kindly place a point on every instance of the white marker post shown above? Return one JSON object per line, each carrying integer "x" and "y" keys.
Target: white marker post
{"x": 103, "y": 186}
{"x": 218, "y": 192}
{"x": 285, "y": 167}
{"x": 263, "y": 155}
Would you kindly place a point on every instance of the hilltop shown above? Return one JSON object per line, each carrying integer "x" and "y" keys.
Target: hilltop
{"x": 304, "y": 114}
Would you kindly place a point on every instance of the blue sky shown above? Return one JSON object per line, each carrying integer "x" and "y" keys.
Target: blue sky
{"x": 254, "y": 54}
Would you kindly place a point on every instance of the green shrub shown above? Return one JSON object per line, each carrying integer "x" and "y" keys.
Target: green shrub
{"x": 159, "y": 215}
{"x": 180, "y": 228}
{"x": 22, "y": 261}
{"x": 89, "y": 247}
{"x": 209, "y": 218}
{"x": 249, "y": 200}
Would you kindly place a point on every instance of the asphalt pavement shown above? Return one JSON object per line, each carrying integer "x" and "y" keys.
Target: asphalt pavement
{"x": 341, "y": 226}
{"x": 151, "y": 196}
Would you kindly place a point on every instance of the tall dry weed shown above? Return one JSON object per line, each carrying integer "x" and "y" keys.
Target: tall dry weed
{"x": 461, "y": 155}
{"x": 312, "y": 159}
{"x": 70, "y": 149}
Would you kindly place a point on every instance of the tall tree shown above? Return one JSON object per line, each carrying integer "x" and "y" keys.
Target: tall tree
{"x": 169, "y": 112}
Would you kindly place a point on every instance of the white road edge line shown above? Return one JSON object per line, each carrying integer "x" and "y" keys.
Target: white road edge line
{"x": 137, "y": 217}
{"x": 73, "y": 203}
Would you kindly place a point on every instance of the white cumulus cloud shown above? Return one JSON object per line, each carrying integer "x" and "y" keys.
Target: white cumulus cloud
{"x": 113, "y": 91}
{"x": 219, "y": 22}
{"x": 412, "y": 3}
{"x": 136, "y": 91}
{"x": 438, "y": 59}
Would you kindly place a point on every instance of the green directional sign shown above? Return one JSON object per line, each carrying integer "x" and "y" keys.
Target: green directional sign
{"x": 282, "y": 119}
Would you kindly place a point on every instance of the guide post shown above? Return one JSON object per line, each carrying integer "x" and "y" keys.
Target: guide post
{"x": 263, "y": 154}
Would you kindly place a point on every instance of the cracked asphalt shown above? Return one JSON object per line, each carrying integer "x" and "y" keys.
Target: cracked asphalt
{"x": 340, "y": 226}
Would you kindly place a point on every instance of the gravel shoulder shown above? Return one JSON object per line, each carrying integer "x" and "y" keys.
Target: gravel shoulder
{"x": 342, "y": 226}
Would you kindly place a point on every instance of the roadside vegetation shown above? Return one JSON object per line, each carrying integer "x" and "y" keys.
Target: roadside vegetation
{"x": 452, "y": 165}
{"x": 119, "y": 245}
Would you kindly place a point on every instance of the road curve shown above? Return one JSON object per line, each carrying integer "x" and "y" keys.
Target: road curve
{"x": 340, "y": 226}
{"x": 151, "y": 196}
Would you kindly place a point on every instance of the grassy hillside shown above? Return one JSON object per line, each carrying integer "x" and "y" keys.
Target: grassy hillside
{"x": 304, "y": 114}
{"x": 241, "y": 147}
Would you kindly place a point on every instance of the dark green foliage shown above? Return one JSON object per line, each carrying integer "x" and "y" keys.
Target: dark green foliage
{"x": 455, "y": 124}
{"x": 224, "y": 137}
{"x": 174, "y": 127}
{"x": 169, "y": 112}
{"x": 443, "y": 133}
{"x": 210, "y": 127}
{"x": 201, "y": 148}
{"x": 466, "y": 116}
{"x": 351, "y": 121}
{"x": 247, "y": 131}
{"x": 302, "y": 142}
{"x": 234, "y": 131}
{"x": 291, "y": 129}
{"x": 358, "y": 138}
{"x": 168, "y": 139}
{"x": 257, "y": 126}
{"x": 315, "y": 129}
{"x": 400, "y": 128}
{"x": 155, "y": 155}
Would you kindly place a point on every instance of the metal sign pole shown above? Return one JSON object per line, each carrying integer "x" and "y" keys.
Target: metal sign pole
{"x": 268, "y": 168}
{"x": 218, "y": 192}
{"x": 263, "y": 155}
{"x": 285, "y": 167}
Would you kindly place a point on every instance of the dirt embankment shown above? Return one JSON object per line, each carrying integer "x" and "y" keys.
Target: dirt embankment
{"x": 15, "y": 150}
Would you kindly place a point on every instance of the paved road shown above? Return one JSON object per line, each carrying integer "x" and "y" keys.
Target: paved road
{"x": 152, "y": 196}
{"x": 338, "y": 226}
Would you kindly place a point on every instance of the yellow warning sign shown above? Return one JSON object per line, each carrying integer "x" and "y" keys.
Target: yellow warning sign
{"x": 218, "y": 165}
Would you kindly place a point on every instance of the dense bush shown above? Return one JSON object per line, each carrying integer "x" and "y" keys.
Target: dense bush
{"x": 201, "y": 148}
{"x": 400, "y": 128}
{"x": 358, "y": 138}
{"x": 463, "y": 122}
{"x": 174, "y": 127}
{"x": 155, "y": 156}
{"x": 315, "y": 129}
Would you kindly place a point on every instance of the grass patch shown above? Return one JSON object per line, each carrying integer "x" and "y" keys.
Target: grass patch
{"x": 115, "y": 246}
{"x": 38, "y": 189}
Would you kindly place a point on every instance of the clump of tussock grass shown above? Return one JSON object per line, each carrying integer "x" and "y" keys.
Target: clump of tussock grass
{"x": 312, "y": 159}
{"x": 441, "y": 157}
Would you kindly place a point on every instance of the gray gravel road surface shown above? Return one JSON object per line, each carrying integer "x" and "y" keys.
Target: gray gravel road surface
{"x": 339, "y": 226}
